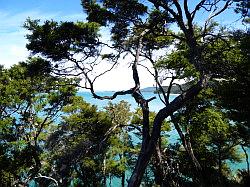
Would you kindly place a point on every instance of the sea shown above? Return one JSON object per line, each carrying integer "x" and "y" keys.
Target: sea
{"x": 155, "y": 105}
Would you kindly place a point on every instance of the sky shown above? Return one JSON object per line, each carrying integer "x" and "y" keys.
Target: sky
{"x": 13, "y": 14}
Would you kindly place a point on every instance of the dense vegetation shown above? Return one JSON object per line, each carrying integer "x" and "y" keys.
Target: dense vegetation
{"x": 52, "y": 137}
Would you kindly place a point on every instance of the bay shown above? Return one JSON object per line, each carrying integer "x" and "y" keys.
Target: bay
{"x": 155, "y": 105}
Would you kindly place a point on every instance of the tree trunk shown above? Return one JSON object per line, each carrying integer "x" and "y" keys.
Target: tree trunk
{"x": 141, "y": 164}
{"x": 187, "y": 145}
{"x": 220, "y": 165}
{"x": 159, "y": 171}
{"x": 104, "y": 171}
{"x": 123, "y": 173}
{"x": 123, "y": 179}
{"x": 246, "y": 155}
{"x": 147, "y": 149}
{"x": 189, "y": 150}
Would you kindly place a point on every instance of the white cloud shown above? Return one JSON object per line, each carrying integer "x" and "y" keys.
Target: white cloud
{"x": 121, "y": 78}
{"x": 12, "y": 34}
{"x": 12, "y": 48}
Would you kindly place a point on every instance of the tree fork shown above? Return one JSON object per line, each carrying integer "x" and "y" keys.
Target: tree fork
{"x": 145, "y": 155}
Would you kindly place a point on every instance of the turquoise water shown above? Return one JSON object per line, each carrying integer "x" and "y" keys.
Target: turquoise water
{"x": 154, "y": 105}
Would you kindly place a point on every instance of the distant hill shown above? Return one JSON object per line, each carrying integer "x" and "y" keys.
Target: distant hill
{"x": 148, "y": 89}
{"x": 174, "y": 90}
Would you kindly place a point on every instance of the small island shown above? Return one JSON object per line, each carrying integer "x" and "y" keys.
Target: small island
{"x": 175, "y": 89}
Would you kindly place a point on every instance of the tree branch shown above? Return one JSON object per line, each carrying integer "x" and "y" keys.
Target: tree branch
{"x": 46, "y": 177}
{"x": 198, "y": 6}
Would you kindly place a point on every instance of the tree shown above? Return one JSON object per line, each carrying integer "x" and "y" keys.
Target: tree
{"x": 78, "y": 146}
{"x": 213, "y": 138}
{"x": 75, "y": 49}
{"x": 155, "y": 167}
{"x": 121, "y": 149}
{"x": 30, "y": 101}
{"x": 233, "y": 92}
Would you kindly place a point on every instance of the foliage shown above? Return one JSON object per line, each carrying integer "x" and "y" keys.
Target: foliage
{"x": 29, "y": 104}
{"x": 202, "y": 55}
{"x": 62, "y": 41}
{"x": 76, "y": 148}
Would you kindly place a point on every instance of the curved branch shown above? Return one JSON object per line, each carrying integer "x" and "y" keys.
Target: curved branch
{"x": 136, "y": 62}
{"x": 178, "y": 102}
{"x": 46, "y": 177}
{"x": 188, "y": 16}
{"x": 169, "y": 88}
{"x": 227, "y": 4}
{"x": 198, "y": 6}
{"x": 106, "y": 71}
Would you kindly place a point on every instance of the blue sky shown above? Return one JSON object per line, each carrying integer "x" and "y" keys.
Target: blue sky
{"x": 17, "y": 6}
{"x": 13, "y": 14}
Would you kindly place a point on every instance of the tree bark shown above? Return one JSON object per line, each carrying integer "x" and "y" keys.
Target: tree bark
{"x": 159, "y": 171}
{"x": 145, "y": 154}
{"x": 189, "y": 150}
{"x": 104, "y": 171}
{"x": 247, "y": 162}
{"x": 123, "y": 179}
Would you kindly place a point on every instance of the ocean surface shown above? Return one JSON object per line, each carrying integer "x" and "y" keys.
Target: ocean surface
{"x": 155, "y": 105}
